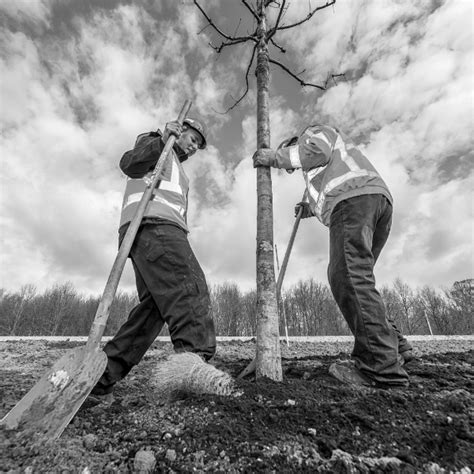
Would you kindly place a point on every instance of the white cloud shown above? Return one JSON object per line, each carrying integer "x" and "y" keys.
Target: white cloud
{"x": 75, "y": 106}
{"x": 432, "y": 238}
{"x": 72, "y": 104}
{"x": 36, "y": 14}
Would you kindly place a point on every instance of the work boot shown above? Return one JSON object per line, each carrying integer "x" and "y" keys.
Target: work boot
{"x": 101, "y": 389}
{"x": 347, "y": 373}
{"x": 94, "y": 399}
{"x": 407, "y": 357}
{"x": 100, "y": 396}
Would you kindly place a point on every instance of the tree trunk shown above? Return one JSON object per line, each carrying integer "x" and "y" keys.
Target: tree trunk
{"x": 268, "y": 341}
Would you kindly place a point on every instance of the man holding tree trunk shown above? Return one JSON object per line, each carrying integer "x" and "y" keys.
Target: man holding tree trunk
{"x": 347, "y": 194}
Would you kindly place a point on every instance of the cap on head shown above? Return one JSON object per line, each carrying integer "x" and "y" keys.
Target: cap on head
{"x": 199, "y": 127}
{"x": 288, "y": 142}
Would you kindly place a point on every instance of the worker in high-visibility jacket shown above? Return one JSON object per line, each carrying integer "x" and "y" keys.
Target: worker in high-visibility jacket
{"x": 347, "y": 194}
{"x": 170, "y": 282}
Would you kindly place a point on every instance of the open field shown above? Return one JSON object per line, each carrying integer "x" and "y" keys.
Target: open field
{"x": 307, "y": 423}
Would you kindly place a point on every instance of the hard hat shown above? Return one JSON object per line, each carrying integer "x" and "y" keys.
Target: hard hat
{"x": 288, "y": 142}
{"x": 199, "y": 127}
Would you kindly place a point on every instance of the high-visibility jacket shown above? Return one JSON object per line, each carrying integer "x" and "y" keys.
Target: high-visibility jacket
{"x": 170, "y": 198}
{"x": 333, "y": 168}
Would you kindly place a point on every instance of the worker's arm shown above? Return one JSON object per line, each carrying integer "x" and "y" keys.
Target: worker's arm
{"x": 138, "y": 162}
{"x": 313, "y": 150}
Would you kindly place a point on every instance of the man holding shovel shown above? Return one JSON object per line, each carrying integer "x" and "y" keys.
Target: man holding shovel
{"x": 170, "y": 282}
{"x": 347, "y": 194}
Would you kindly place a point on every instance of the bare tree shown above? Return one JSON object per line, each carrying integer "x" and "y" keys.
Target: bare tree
{"x": 119, "y": 311}
{"x": 249, "y": 305}
{"x": 312, "y": 310}
{"x": 61, "y": 300}
{"x": 226, "y": 302}
{"x": 268, "y": 360}
{"x": 434, "y": 309}
{"x": 406, "y": 299}
{"x": 13, "y": 308}
{"x": 460, "y": 306}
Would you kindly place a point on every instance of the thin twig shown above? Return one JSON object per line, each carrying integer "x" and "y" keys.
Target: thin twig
{"x": 294, "y": 76}
{"x": 246, "y": 80}
{"x": 277, "y": 22}
{"x": 204, "y": 28}
{"x": 283, "y": 50}
{"x": 308, "y": 16}
{"x": 246, "y": 83}
{"x": 224, "y": 35}
{"x": 252, "y": 11}
{"x": 333, "y": 77}
{"x": 219, "y": 48}
{"x": 237, "y": 27}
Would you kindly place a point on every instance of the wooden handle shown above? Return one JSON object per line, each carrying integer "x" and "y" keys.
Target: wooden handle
{"x": 281, "y": 273}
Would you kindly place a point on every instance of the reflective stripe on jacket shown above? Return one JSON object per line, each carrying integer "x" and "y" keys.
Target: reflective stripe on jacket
{"x": 333, "y": 168}
{"x": 170, "y": 198}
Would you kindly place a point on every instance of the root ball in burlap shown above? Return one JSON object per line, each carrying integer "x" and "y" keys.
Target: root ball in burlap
{"x": 186, "y": 372}
{"x": 144, "y": 462}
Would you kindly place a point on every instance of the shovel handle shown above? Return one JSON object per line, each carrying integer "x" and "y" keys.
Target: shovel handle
{"x": 108, "y": 295}
{"x": 284, "y": 264}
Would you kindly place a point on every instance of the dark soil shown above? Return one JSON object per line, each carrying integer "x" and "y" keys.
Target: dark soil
{"x": 308, "y": 423}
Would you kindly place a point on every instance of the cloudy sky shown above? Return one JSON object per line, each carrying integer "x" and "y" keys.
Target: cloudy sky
{"x": 80, "y": 79}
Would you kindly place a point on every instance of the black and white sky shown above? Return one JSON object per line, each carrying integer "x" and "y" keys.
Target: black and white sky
{"x": 81, "y": 78}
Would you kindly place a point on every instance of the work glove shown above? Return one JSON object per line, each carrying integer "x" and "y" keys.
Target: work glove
{"x": 305, "y": 210}
{"x": 265, "y": 157}
{"x": 172, "y": 128}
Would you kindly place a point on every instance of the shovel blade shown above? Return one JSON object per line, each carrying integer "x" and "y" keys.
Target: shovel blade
{"x": 49, "y": 406}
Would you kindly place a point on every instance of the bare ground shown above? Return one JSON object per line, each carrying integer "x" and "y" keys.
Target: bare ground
{"x": 308, "y": 423}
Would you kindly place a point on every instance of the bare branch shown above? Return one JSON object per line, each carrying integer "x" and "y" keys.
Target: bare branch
{"x": 280, "y": 13}
{"x": 308, "y": 17}
{"x": 252, "y": 11}
{"x": 219, "y": 48}
{"x": 237, "y": 27}
{"x": 295, "y": 76}
{"x": 273, "y": 30}
{"x": 333, "y": 77}
{"x": 240, "y": 39}
{"x": 204, "y": 28}
{"x": 237, "y": 101}
{"x": 233, "y": 40}
{"x": 283, "y": 50}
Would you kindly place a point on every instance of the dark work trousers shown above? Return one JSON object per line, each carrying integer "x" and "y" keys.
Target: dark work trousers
{"x": 358, "y": 230}
{"x": 172, "y": 289}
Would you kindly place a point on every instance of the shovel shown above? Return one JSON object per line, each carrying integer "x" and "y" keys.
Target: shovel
{"x": 251, "y": 367}
{"x": 49, "y": 406}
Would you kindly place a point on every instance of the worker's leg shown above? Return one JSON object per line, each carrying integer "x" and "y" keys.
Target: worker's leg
{"x": 381, "y": 233}
{"x": 178, "y": 286}
{"x": 137, "y": 334}
{"x": 350, "y": 272}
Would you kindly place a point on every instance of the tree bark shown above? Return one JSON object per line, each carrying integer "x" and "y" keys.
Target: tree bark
{"x": 268, "y": 340}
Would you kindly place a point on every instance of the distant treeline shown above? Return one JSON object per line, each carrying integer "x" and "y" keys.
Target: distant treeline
{"x": 307, "y": 307}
